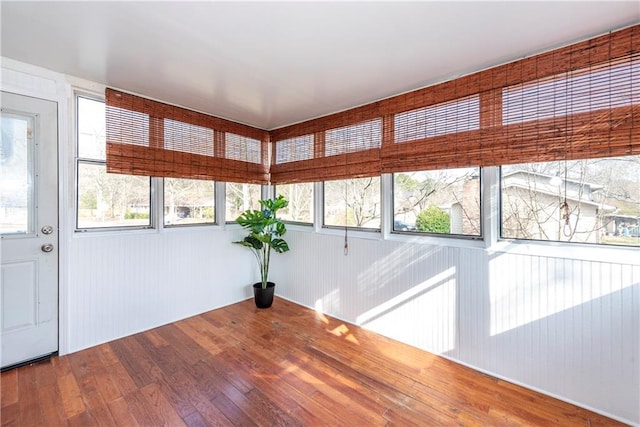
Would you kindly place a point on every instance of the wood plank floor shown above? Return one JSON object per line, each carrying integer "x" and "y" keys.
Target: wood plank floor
{"x": 285, "y": 366}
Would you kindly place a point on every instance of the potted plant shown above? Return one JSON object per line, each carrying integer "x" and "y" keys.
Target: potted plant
{"x": 265, "y": 234}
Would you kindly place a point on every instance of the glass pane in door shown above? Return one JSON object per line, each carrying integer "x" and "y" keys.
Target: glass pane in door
{"x": 17, "y": 211}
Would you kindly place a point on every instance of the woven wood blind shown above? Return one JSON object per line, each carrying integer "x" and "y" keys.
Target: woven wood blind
{"x": 587, "y": 113}
{"x": 294, "y": 149}
{"x": 579, "y": 101}
{"x": 146, "y": 137}
{"x": 337, "y": 152}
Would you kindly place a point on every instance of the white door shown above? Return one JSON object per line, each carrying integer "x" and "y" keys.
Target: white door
{"x": 28, "y": 229}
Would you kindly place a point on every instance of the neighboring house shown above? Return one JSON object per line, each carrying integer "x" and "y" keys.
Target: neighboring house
{"x": 464, "y": 216}
{"x": 614, "y": 223}
{"x": 531, "y": 208}
{"x": 531, "y": 204}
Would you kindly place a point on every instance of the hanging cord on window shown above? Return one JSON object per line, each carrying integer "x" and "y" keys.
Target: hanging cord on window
{"x": 346, "y": 242}
{"x": 346, "y": 229}
{"x": 564, "y": 207}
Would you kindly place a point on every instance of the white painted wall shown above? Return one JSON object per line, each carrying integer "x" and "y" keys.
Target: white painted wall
{"x": 550, "y": 318}
{"x": 567, "y": 327}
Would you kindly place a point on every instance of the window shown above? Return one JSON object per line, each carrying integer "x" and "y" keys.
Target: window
{"x": 603, "y": 87}
{"x": 602, "y": 196}
{"x": 440, "y": 202}
{"x": 187, "y": 138}
{"x": 441, "y": 119}
{"x": 353, "y": 203}
{"x": 189, "y": 201}
{"x": 300, "y": 197}
{"x": 242, "y": 148}
{"x": 239, "y": 198}
{"x": 17, "y": 195}
{"x": 294, "y": 149}
{"x": 105, "y": 200}
{"x": 353, "y": 138}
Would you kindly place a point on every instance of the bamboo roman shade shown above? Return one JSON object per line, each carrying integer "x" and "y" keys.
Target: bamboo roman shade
{"x": 579, "y": 101}
{"x": 586, "y": 113}
{"x": 336, "y": 152}
{"x": 146, "y": 137}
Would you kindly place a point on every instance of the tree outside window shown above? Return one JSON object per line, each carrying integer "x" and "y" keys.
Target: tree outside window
{"x": 441, "y": 201}
{"x": 352, "y": 203}
{"x": 602, "y": 201}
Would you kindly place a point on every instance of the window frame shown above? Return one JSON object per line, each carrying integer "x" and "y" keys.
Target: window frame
{"x": 545, "y": 243}
{"x": 491, "y": 223}
{"x": 483, "y": 202}
{"x": 215, "y": 223}
{"x": 364, "y": 230}
{"x": 78, "y": 160}
{"x": 232, "y": 221}
{"x": 273, "y": 192}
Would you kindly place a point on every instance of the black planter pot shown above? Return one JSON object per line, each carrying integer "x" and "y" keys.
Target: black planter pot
{"x": 263, "y": 297}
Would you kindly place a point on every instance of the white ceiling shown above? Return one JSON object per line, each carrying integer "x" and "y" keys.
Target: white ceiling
{"x": 270, "y": 64}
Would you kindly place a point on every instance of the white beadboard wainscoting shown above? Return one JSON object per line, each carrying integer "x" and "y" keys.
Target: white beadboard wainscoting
{"x": 123, "y": 283}
{"x": 569, "y": 328}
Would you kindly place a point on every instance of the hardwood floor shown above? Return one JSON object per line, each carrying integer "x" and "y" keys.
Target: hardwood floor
{"x": 283, "y": 366}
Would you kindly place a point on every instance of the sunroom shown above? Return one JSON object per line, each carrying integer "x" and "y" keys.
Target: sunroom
{"x": 463, "y": 217}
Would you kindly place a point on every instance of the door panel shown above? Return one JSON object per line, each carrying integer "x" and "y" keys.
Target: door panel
{"x": 19, "y": 286}
{"x": 28, "y": 227}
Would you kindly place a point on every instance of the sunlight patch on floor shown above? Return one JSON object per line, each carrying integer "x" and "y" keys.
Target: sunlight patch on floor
{"x": 343, "y": 331}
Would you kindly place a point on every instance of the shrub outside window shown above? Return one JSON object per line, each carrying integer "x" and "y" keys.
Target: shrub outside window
{"x": 300, "y": 197}
{"x": 602, "y": 196}
{"x": 105, "y": 200}
{"x": 353, "y": 203}
{"x": 443, "y": 201}
{"x": 189, "y": 201}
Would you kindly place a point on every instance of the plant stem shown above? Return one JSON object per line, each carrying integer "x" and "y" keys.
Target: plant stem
{"x": 266, "y": 266}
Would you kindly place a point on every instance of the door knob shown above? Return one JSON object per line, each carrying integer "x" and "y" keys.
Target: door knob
{"x": 47, "y": 247}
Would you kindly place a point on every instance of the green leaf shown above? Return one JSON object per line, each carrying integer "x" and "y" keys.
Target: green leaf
{"x": 252, "y": 242}
{"x": 280, "y": 229}
{"x": 273, "y": 205}
{"x": 279, "y": 203}
{"x": 279, "y": 245}
{"x": 263, "y": 238}
{"x": 252, "y": 220}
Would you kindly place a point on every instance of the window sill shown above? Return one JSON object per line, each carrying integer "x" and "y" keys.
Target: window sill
{"x": 191, "y": 227}
{"x": 113, "y": 231}
{"x": 574, "y": 251}
{"x": 351, "y": 233}
{"x": 445, "y": 240}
